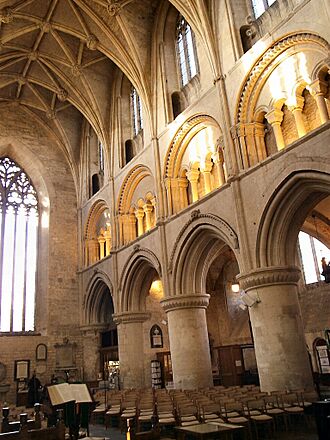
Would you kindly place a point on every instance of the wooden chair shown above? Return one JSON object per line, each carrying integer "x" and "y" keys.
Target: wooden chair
{"x": 257, "y": 415}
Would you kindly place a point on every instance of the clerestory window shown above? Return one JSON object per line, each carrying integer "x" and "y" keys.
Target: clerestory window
{"x": 18, "y": 248}
{"x": 260, "y": 6}
{"x": 136, "y": 106}
{"x": 186, "y": 53}
{"x": 101, "y": 157}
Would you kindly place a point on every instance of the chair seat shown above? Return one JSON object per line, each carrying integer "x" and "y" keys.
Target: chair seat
{"x": 165, "y": 415}
{"x": 168, "y": 420}
{"x": 261, "y": 418}
{"x": 238, "y": 420}
{"x": 232, "y": 414}
{"x": 275, "y": 411}
{"x": 210, "y": 416}
{"x": 145, "y": 417}
{"x": 191, "y": 423}
{"x": 219, "y": 420}
{"x": 128, "y": 414}
{"x": 188, "y": 418}
{"x": 294, "y": 409}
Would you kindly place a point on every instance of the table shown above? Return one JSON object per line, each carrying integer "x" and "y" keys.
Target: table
{"x": 207, "y": 430}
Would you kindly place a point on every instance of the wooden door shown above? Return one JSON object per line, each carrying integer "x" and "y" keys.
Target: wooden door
{"x": 231, "y": 365}
{"x": 166, "y": 363}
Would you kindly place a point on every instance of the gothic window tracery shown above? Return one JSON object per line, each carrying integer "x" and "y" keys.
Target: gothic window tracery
{"x": 18, "y": 248}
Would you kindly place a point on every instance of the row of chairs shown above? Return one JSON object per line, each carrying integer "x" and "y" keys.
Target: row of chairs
{"x": 246, "y": 406}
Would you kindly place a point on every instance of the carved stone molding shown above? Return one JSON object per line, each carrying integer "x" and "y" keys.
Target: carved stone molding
{"x": 269, "y": 276}
{"x": 178, "y": 138}
{"x": 6, "y": 15}
{"x": 261, "y": 68}
{"x": 199, "y": 301}
{"x": 130, "y": 317}
{"x": 92, "y": 329}
{"x": 196, "y": 215}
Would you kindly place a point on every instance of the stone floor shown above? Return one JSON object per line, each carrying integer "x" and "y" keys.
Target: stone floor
{"x": 294, "y": 433}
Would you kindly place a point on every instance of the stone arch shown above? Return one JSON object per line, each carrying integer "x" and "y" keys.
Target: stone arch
{"x": 95, "y": 307}
{"x": 94, "y": 213}
{"x": 285, "y": 213}
{"x": 130, "y": 183}
{"x": 260, "y": 71}
{"x": 137, "y": 275}
{"x": 190, "y": 257}
{"x": 181, "y": 139}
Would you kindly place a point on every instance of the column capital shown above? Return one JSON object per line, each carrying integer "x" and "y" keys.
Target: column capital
{"x": 298, "y": 105}
{"x": 269, "y": 276}
{"x": 130, "y": 317}
{"x": 93, "y": 329}
{"x": 147, "y": 207}
{"x": 139, "y": 212}
{"x": 193, "y": 175}
{"x": 318, "y": 87}
{"x": 274, "y": 116}
{"x": 200, "y": 301}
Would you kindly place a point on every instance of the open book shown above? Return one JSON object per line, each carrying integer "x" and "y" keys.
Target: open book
{"x": 68, "y": 392}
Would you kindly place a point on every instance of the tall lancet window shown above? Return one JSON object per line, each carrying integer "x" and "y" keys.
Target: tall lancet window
{"x": 185, "y": 47}
{"x": 18, "y": 248}
{"x": 137, "y": 117}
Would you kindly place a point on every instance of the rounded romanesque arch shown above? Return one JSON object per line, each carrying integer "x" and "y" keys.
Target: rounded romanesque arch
{"x": 285, "y": 214}
{"x": 97, "y": 233}
{"x": 136, "y": 205}
{"x": 199, "y": 239}
{"x": 283, "y": 93}
{"x": 141, "y": 268}
{"x": 194, "y": 163}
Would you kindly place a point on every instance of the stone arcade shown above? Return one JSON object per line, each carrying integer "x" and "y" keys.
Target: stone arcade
{"x": 173, "y": 148}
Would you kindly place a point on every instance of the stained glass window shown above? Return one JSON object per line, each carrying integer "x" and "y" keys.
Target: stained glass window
{"x": 18, "y": 248}
{"x": 185, "y": 51}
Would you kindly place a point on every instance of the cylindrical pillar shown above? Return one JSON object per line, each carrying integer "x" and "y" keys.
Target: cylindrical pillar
{"x": 147, "y": 208}
{"x": 189, "y": 342}
{"x": 299, "y": 120}
{"x": 275, "y": 118}
{"x": 193, "y": 176}
{"x": 139, "y": 214}
{"x": 319, "y": 90}
{"x": 280, "y": 346}
{"x": 131, "y": 350}
{"x": 91, "y": 347}
{"x": 101, "y": 241}
{"x": 107, "y": 236}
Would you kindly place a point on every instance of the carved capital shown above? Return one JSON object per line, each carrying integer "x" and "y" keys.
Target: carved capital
{"x": 319, "y": 87}
{"x": 130, "y": 317}
{"x": 269, "y": 276}
{"x": 274, "y": 117}
{"x": 199, "y": 301}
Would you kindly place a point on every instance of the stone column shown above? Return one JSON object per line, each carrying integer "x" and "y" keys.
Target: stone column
{"x": 275, "y": 118}
{"x": 131, "y": 350}
{"x": 189, "y": 342}
{"x": 147, "y": 208}
{"x": 218, "y": 164}
{"x": 319, "y": 90}
{"x": 139, "y": 214}
{"x": 259, "y": 130}
{"x": 206, "y": 171}
{"x": 243, "y": 146}
{"x": 183, "y": 185}
{"x": 107, "y": 236}
{"x": 298, "y": 117}
{"x": 93, "y": 250}
{"x": 277, "y": 327}
{"x": 101, "y": 241}
{"x": 132, "y": 227}
{"x": 91, "y": 349}
{"x": 193, "y": 176}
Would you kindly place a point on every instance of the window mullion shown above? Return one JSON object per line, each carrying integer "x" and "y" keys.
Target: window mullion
{"x": 13, "y": 276}
{"x": 3, "y": 216}
{"x": 25, "y": 269}
{"x": 186, "y": 53}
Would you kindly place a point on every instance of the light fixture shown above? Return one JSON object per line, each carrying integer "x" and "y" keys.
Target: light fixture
{"x": 235, "y": 287}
